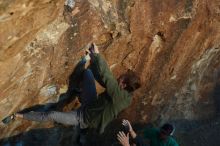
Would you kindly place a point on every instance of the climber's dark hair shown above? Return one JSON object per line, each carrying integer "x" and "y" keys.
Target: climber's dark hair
{"x": 167, "y": 129}
{"x": 131, "y": 80}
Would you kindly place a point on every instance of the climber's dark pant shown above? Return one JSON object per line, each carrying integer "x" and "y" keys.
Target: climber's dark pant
{"x": 74, "y": 117}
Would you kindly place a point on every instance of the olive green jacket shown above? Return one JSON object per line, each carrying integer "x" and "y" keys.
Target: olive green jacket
{"x": 108, "y": 104}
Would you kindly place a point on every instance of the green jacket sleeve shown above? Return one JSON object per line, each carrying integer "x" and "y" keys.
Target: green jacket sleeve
{"x": 176, "y": 144}
{"x": 106, "y": 77}
{"x": 173, "y": 142}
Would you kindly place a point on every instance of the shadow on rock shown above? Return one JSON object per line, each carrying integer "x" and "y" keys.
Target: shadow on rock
{"x": 188, "y": 132}
{"x": 67, "y": 136}
{"x": 56, "y": 136}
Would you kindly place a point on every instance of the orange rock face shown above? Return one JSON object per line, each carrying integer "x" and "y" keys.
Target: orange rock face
{"x": 173, "y": 45}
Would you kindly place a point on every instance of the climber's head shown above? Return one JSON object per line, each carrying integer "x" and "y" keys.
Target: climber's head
{"x": 129, "y": 81}
{"x": 166, "y": 130}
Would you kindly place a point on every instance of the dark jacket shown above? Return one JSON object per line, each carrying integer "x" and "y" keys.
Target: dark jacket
{"x": 139, "y": 141}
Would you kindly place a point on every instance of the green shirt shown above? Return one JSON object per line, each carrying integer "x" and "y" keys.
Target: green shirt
{"x": 153, "y": 135}
{"x": 109, "y": 103}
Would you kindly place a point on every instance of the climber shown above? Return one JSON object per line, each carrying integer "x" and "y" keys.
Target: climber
{"x": 96, "y": 111}
{"x": 157, "y": 137}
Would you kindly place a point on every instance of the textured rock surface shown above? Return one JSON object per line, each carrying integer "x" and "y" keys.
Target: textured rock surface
{"x": 173, "y": 45}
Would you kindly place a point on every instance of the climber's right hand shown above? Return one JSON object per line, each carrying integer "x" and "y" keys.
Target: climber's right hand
{"x": 126, "y": 123}
{"x": 96, "y": 49}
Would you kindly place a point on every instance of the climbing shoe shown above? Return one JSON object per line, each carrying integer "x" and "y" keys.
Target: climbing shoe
{"x": 8, "y": 119}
